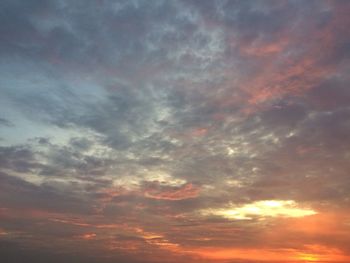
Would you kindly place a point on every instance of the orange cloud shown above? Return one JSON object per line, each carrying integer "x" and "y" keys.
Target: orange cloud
{"x": 107, "y": 195}
{"x": 323, "y": 224}
{"x": 245, "y": 254}
{"x": 173, "y": 193}
{"x": 88, "y": 236}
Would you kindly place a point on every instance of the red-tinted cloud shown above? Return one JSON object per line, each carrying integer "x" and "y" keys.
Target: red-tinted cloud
{"x": 185, "y": 191}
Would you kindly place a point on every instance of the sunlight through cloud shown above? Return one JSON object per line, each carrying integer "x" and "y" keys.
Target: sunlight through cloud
{"x": 266, "y": 208}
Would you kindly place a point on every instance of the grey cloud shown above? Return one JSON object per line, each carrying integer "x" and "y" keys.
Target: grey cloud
{"x": 38, "y": 197}
{"x": 6, "y": 123}
{"x": 330, "y": 95}
{"x": 81, "y": 143}
{"x": 18, "y": 158}
{"x": 14, "y": 252}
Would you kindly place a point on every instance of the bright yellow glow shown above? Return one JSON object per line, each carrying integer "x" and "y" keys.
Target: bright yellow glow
{"x": 267, "y": 208}
{"x": 308, "y": 257}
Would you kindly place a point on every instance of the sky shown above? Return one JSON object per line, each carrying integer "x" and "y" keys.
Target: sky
{"x": 189, "y": 131}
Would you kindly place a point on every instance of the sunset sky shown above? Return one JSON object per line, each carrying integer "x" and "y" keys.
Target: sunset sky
{"x": 189, "y": 131}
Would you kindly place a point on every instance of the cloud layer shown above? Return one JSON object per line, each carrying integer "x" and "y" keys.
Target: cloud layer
{"x": 135, "y": 130}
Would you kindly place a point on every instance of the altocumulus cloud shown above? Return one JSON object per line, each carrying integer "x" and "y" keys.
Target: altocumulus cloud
{"x": 174, "y": 131}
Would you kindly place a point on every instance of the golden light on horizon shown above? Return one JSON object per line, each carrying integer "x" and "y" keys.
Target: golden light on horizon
{"x": 271, "y": 255}
{"x": 308, "y": 257}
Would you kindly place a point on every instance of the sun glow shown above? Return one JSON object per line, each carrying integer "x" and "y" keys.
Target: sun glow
{"x": 271, "y": 255}
{"x": 266, "y": 208}
{"x": 308, "y": 257}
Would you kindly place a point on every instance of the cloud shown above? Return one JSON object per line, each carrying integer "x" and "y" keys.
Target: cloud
{"x": 171, "y": 193}
{"x": 266, "y": 208}
{"x": 5, "y": 122}
{"x": 122, "y": 121}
